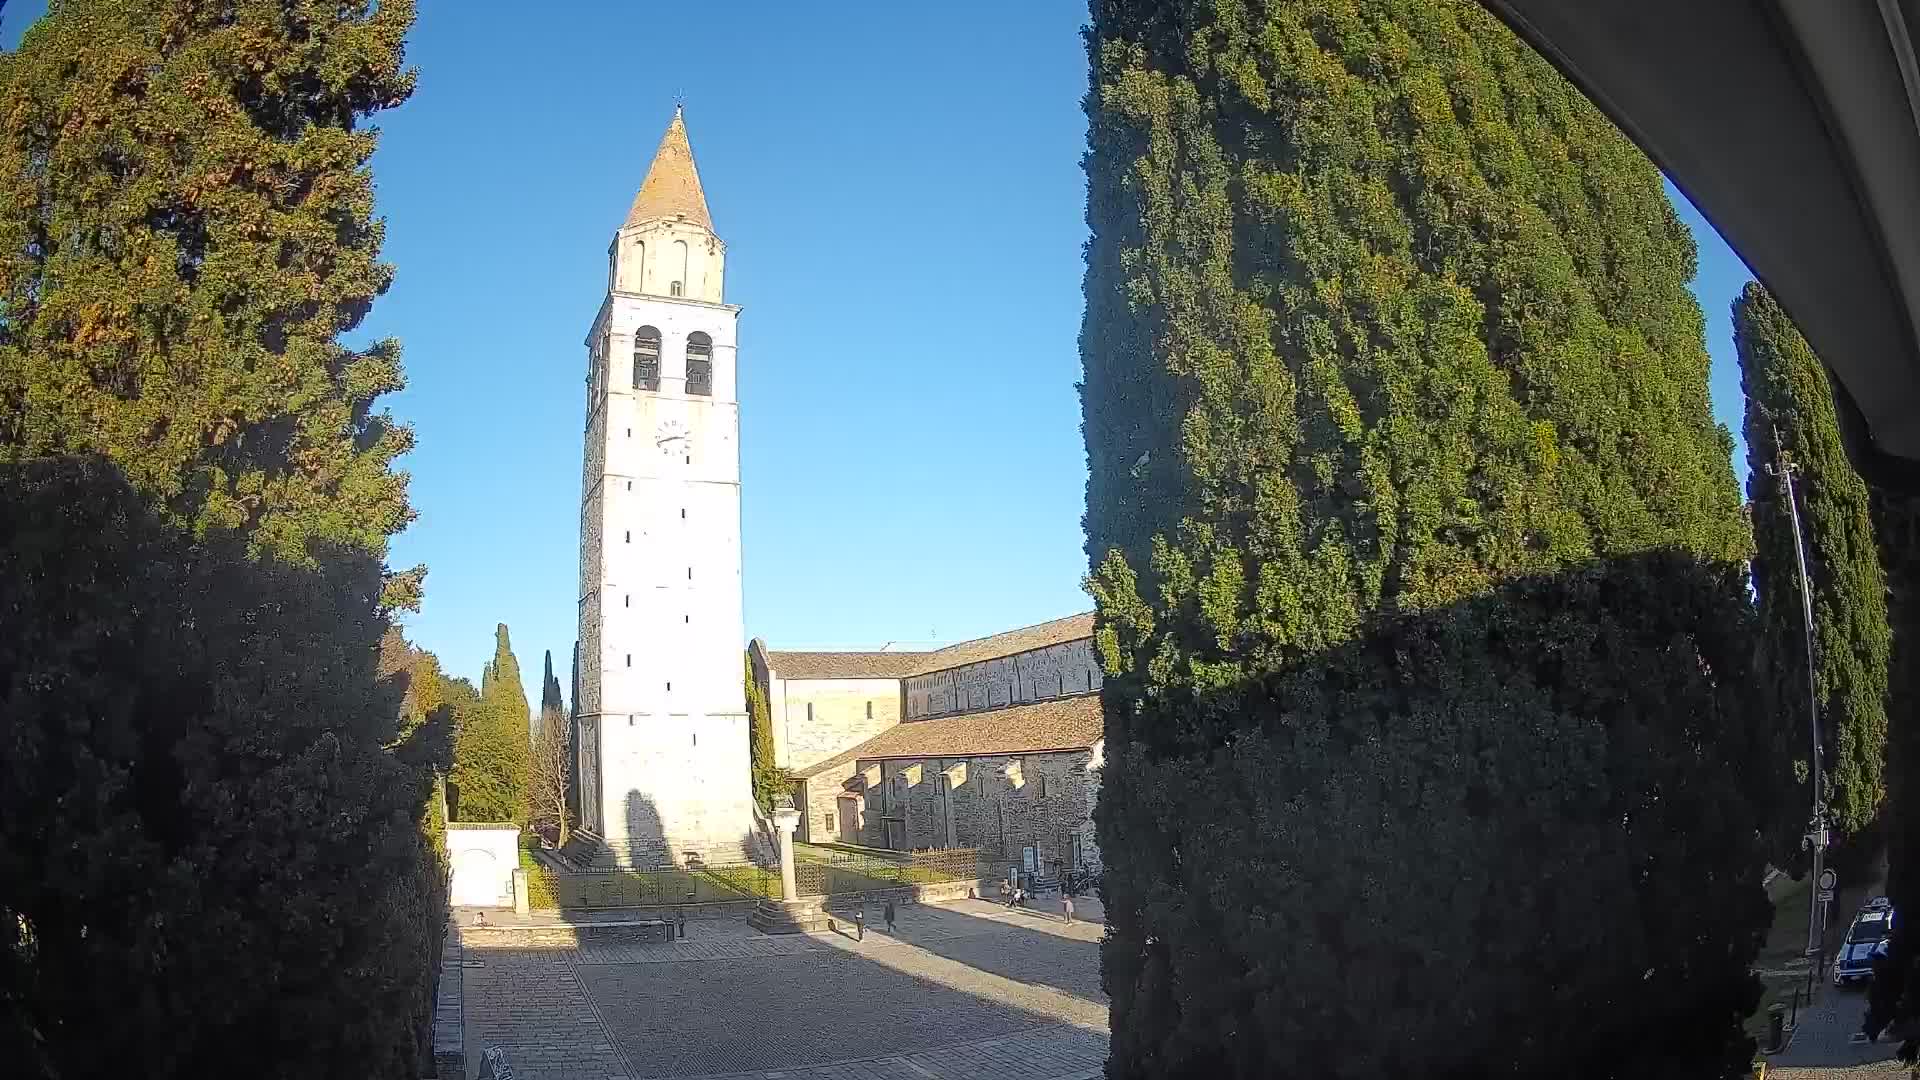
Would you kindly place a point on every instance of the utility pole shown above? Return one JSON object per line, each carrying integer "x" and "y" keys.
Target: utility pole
{"x": 1815, "y": 839}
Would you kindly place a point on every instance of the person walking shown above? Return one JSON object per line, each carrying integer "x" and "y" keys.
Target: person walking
{"x": 890, "y": 916}
{"x": 1066, "y": 905}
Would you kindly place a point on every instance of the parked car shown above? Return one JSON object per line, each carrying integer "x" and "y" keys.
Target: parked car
{"x": 1866, "y": 939}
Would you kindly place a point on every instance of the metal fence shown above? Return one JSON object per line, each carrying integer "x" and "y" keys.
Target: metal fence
{"x": 817, "y": 872}
{"x": 824, "y": 871}
{"x": 550, "y": 888}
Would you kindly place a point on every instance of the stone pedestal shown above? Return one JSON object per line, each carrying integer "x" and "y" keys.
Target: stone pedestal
{"x": 791, "y": 916}
{"x": 520, "y": 906}
{"x": 785, "y": 820}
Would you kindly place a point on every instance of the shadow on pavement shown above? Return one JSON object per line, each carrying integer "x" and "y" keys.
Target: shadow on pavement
{"x": 961, "y": 997}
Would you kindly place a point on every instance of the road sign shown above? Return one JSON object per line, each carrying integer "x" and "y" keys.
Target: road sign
{"x": 1827, "y": 880}
{"x": 1825, "y": 896}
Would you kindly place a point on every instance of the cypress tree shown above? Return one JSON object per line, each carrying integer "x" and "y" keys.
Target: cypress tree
{"x": 550, "y": 705}
{"x": 189, "y": 231}
{"x": 493, "y": 754}
{"x": 769, "y": 779}
{"x": 1790, "y": 407}
{"x": 1390, "y": 369}
{"x": 1896, "y": 983}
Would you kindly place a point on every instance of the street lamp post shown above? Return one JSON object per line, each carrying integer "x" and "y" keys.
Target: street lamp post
{"x": 1815, "y": 839}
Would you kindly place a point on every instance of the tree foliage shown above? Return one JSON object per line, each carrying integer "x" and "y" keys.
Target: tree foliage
{"x": 426, "y": 718}
{"x": 188, "y": 230}
{"x": 573, "y": 738}
{"x": 1492, "y": 836}
{"x": 492, "y": 757}
{"x": 549, "y": 799}
{"x": 1790, "y": 408}
{"x": 551, "y": 707}
{"x": 549, "y": 790}
{"x": 770, "y": 781}
{"x": 1896, "y": 983}
{"x": 1387, "y": 328}
{"x": 211, "y": 803}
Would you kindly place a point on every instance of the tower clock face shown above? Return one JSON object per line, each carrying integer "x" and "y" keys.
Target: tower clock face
{"x": 673, "y": 439}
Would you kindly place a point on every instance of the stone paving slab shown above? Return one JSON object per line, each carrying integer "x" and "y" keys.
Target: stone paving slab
{"x": 533, "y": 1005}
{"x": 960, "y": 992}
{"x": 1049, "y": 1053}
{"x": 693, "y": 950}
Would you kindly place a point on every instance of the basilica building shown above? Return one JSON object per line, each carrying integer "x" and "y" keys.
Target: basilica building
{"x": 993, "y": 744}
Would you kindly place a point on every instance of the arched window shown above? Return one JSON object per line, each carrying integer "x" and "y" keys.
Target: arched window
{"x": 639, "y": 275}
{"x": 646, "y": 358}
{"x": 679, "y": 268}
{"x": 699, "y": 364}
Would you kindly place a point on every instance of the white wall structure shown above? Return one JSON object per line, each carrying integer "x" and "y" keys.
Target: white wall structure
{"x": 483, "y": 856}
{"x": 663, "y": 724}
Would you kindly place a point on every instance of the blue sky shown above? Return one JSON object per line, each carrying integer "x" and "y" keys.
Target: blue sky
{"x": 900, "y": 192}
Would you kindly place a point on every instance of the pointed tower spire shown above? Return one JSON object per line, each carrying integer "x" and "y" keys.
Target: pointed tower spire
{"x": 672, "y": 186}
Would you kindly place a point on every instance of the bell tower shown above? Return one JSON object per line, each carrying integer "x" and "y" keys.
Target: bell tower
{"x": 662, "y": 739}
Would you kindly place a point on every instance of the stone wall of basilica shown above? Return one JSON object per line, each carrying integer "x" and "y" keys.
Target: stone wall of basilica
{"x": 1055, "y": 671}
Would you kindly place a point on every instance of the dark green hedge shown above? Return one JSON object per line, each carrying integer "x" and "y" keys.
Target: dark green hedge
{"x": 211, "y": 844}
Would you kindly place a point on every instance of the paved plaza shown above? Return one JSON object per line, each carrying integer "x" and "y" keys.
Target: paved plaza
{"x": 964, "y": 991}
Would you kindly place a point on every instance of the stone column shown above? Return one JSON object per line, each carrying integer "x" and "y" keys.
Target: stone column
{"x": 786, "y": 819}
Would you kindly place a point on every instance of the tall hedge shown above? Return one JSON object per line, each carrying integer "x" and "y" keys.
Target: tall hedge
{"x": 1790, "y": 407}
{"x": 1385, "y": 323}
{"x": 213, "y": 807}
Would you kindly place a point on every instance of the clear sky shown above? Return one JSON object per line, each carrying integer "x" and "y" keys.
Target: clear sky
{"x": 900, "y": 193}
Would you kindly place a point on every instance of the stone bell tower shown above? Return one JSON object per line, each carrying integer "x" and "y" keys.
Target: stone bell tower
{"x": 662, "y": 739}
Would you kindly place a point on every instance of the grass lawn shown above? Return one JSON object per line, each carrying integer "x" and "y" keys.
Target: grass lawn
{"x": 547, "y": 890}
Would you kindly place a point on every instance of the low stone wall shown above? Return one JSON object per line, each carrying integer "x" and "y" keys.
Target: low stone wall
{"x": 716, "y": 909}
{"x": 932, "y": 893}
{"x": 635, "y": 931}
{"x": 449, "y": 1021}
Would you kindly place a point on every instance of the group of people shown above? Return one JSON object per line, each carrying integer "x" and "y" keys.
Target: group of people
{"x": 1015, "y": 894}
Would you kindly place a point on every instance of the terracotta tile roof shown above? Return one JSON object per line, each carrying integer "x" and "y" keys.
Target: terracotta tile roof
{"x": 845, "y": 665}
{"x": 899, "y": 665}
{"x": 672, "y": 186}
{"x": 1013, "y": 641}
{"x": 1073, "y": 723}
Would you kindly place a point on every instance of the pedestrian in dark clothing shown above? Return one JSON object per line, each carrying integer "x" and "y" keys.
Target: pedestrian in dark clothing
{"x": 890, "y": 916}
